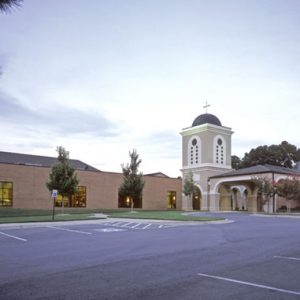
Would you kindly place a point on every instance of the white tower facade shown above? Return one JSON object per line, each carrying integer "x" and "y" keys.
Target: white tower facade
{"x": 206, "y": 151}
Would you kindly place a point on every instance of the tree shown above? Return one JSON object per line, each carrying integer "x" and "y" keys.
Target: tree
{"x": 133, "y": 182}
{"x": 284, "y": 155}
{"x": 62, "y": 176}
{"x": 264, "y": 187}
{"x": 189, "y": 185}
{"x": 235, "y": 162}
{"x": 289, "y": 188}
{"x": 7, "y": 5}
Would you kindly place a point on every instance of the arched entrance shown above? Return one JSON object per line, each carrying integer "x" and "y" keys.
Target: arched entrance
{"x": 196, "y": 198}
{"x": 239, "y": 197}
{"x": 234, "y": 199}
{"x": 225, "y": 198}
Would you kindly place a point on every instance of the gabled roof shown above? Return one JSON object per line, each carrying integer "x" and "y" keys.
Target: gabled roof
{"x": 157, "y": 174}
{"x": 40, "y": 161}
{"x": 259, "y": 169}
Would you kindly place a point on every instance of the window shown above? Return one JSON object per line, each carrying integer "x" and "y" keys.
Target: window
{"x": 79, "y": 199}
{"x": 6, "y": 193}
{"x": 125, "y": 202}
{"x": 219, "y": 151}
{"x": 194, "y": 151}
{"x": 76, "y": 200}
{"x": 171, "y": 199}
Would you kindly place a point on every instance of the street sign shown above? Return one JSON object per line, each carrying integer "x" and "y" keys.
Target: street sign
{"x": 54, "y": 193}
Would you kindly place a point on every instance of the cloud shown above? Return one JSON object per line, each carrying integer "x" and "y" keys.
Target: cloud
{"x": 167, "y": 141}
{"x": 59, "y": 120}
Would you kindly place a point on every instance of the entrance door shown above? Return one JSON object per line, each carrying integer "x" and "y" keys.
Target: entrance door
{"x": 196, "y": 199}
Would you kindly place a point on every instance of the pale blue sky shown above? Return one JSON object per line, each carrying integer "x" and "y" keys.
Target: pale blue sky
{"x": 103, "y": 77}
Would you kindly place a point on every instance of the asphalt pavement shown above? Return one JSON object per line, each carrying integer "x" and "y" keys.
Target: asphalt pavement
{"x": 248, "y": 257}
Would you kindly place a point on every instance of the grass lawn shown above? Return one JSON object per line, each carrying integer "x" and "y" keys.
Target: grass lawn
{"x": 14, "y": 215}
{"x": 172, "y": 215}
{"x": 65, "y": 217}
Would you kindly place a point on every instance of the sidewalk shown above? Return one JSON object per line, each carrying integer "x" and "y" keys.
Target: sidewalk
{"x": 106, "y": 220}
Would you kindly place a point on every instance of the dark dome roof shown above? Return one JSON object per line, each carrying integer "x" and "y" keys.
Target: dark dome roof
{"x": 206, "y": 118}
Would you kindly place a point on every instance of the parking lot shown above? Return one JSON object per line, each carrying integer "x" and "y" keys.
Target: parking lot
{"x": 108, "y": 226}
{"x": 250, "y": 258}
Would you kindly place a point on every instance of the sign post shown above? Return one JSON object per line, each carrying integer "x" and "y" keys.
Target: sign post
{"x": 54, "y": 195}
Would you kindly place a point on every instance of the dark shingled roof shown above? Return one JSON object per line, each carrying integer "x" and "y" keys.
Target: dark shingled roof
{"x": 157, "y": 174}
{"x": 206, "y": 118}
{"x": 40, "y": 161}
{"x": 259, "y": 169}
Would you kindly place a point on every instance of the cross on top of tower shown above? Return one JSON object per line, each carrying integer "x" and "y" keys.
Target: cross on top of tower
{"x": 206, "y": 106}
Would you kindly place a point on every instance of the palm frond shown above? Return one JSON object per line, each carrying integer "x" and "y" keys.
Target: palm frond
{"x": 8, "y": 5}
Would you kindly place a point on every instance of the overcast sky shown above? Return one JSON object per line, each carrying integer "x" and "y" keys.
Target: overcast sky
{"x": 101, "y": 77}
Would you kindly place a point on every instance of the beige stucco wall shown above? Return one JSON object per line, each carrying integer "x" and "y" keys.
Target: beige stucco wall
{"x": 207, "y": 134}
{"x": 30, "y": 191}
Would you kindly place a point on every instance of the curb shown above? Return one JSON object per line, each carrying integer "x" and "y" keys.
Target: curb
{"x": 99, "y": 221}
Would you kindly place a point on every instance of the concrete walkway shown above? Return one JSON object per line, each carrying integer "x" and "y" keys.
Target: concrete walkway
{"x": 107, "y": 219}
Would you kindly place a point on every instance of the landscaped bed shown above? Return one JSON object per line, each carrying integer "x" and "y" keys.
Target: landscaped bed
{"x": 173, "y": 215}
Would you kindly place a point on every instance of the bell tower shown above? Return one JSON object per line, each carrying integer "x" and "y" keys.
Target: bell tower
{"x": 206, "y": 151}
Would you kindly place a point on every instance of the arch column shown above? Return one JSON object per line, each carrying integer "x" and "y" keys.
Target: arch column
{"x": 252, "y": 200}
{"x": 214, "y": 202}
{"x": 187, "y": 202}
{"x": 225, "y": 202}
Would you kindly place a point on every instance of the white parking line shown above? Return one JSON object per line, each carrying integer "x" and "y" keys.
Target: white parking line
{"x": 126, "y": 224}
{"x": 70, "y": 230}
{"x": 146, "y": 226}
{"x": 286, "y": 257}
{"x": 251, "y": 284}
{"x": 136, "y": 225}
{"x": 14, "y": 237}
{"x": 116, "y": 223}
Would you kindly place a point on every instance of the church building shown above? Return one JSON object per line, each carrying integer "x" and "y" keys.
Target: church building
{"x": 206, "y": 151}
{"x": 206, "y": 154}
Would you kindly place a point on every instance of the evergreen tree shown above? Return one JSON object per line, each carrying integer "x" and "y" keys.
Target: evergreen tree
{"x": 133, "y": 182}
{"x": 188, "y": 185}
{"x": 284, "y": 155}
{"x": 235, "y": 162}
{"x": 62, "y": 176}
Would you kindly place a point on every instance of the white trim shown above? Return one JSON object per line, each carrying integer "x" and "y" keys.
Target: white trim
{"x": 206, "y": 127}
{"x": 208, "y": 165}
{"x": 230, "y": 179}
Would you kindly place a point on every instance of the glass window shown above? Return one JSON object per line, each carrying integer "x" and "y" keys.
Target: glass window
{"x": 76, "y": 200}
{"x": 171, "y": 199}
{"x": 6, "y": 193}
{"x": 194, "y": 153}
{"x": 79, "y": 199}
{"x": 219, "y": 154}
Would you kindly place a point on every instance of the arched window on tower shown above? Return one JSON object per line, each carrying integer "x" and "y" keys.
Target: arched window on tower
{"x": 194, "y": 151}
{"x": 219, "y": 150}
